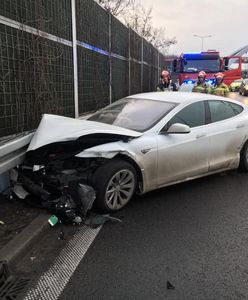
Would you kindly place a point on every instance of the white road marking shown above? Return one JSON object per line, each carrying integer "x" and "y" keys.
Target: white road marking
{"x": 52, "y": 282}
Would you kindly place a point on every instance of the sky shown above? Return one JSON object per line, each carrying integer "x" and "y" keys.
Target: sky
{"x": 225, "y": 20}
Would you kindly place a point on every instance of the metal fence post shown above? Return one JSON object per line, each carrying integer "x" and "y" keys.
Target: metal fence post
{"x": 75, "y": 61}
{"x": 110, "y": 59}
{"x": 142, "y": 65}
{"x": 158, "y": 66}
{"x": 129, "y": 61}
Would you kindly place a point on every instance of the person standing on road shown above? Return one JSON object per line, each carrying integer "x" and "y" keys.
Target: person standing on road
{"x": 219, "y": 88}
{"x": 166, "y": 83}
{"x": 201, "y": 86}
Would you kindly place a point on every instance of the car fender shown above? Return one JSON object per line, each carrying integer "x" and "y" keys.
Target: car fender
{"x": 142, "y": 157}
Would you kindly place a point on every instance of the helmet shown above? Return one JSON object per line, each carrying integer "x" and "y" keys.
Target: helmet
{"x": 219, "y": 75}
{"x": 202, "y": 74}
{"x": 165, "y": 74}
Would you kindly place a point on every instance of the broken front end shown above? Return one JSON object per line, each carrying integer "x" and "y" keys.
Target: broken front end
{"x": 54, "y": 178}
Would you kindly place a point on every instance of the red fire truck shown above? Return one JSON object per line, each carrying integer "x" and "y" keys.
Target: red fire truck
{"x": 188, "y": 65}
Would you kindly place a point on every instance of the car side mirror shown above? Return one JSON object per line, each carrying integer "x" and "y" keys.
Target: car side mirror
{"x": 178, "y": 128}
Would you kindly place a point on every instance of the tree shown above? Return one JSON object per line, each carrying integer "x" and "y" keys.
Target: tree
{"x": 159, "y": 40}
{"x": 133, "y": 14}
{"x": 141, "y": 21}
{"x": 115, "y": 7}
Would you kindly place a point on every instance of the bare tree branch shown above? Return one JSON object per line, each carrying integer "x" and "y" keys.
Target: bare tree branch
{"x": 115, "y": 7}
{"x": 135, "y": 16}
{"x": 141, "y": 20}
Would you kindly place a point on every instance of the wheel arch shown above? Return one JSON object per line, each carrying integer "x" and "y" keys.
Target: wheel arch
{"x": 241, "y": 161}
{"x": 137, "y": 168}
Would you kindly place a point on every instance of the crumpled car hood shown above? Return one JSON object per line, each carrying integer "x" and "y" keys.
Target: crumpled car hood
{"x": 53, "y": 129}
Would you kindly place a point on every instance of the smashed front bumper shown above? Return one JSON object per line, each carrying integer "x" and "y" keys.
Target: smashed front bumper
{"x": 62, "y": 192}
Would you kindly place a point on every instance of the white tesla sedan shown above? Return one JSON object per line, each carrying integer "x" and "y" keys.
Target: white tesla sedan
{"x": 143, "y": 142}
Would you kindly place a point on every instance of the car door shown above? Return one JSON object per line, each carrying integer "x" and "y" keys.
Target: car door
{"x": 182, "y": 156}
{"x": 226, "y": 133}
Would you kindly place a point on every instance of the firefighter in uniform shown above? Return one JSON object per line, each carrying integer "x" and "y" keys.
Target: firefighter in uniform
{"x": 166, "y": 83}
{"x": 201, "y": 86}
{"x": 219, "y": 88}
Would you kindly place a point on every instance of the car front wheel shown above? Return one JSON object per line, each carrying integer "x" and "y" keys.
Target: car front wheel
{"x": 115, "y": 183}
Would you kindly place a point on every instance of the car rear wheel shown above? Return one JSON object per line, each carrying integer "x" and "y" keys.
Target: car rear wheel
{"x": 243, "y": 164}
{"x": 115, "y": 183}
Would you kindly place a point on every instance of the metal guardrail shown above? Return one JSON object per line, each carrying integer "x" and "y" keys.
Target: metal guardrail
{"x": 12, "y": 151}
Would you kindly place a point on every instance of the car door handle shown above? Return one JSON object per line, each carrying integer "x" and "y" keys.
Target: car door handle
{"x": 241, "y": 125}
{"x": 201, "y": 135}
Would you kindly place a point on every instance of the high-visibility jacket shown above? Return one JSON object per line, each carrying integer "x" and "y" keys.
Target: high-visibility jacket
{"x": 219, "y": 90}
{"x": 200, "y": 88}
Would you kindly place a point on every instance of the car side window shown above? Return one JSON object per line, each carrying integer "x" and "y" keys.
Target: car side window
{"x": 221, "y": 110}
{"x": 192, "y": 115}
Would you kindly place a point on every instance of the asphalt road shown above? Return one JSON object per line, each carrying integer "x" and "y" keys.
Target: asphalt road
{"x": 194, "y": 235}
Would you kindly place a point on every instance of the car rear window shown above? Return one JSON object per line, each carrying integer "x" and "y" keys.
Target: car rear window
{"x": 221, "y": 110}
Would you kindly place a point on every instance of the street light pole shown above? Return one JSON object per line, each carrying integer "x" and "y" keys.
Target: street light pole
{"x": 202, "y": 37}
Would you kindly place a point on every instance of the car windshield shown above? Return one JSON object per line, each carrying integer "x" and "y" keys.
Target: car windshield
{"x": 135, "y": 114}
{"x": 195, "y": 65}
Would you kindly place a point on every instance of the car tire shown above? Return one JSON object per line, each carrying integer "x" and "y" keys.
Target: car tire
{"x": 115, "y": 183}
{"x": 243, "y": 163}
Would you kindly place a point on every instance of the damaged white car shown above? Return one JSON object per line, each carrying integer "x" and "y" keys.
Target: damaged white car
{"x": 135, "y": 145}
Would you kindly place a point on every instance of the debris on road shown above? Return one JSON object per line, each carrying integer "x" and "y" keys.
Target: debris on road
{"x": 61, "y": 235}
{"x": 1, "y": 222}
{"x": 170, "y": 286}
{"x": 98, "y": 220}
{"x": 61, "y": 192}
{"x": 32, "y": 258}
{"x": 4, "y": 272}
{"x": 20, "y": 192}
{"x": 53, "y": 220}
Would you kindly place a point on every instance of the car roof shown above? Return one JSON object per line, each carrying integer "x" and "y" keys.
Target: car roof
{"x": 177, "y": 97}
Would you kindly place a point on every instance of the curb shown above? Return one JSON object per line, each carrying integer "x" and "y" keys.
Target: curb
{"x": 16, "y": 247}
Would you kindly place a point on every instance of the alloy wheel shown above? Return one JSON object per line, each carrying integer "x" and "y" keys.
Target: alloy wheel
{"x": 120, "y": 189}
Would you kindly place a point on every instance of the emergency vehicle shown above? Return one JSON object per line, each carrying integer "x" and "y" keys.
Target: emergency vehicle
{"x": 188, "y": 65}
